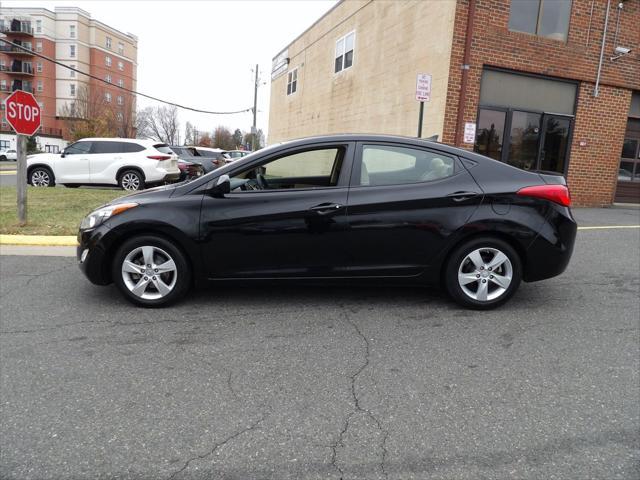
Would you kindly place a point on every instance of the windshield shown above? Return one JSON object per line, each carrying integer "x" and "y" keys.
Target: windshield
{"x": 185, "y": 152}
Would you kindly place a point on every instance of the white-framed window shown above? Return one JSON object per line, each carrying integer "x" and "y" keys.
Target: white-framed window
{"x": 72, "y": 51}
{"x": 292, "y": 81}
{"x": 39, "y": 86}
{"x": 38, "y": 46}
{"x": 107, "y": 97}
{"x": 72, "y": 73}
{"x": 345, "y": 47}
{"x": 107, "y": 42}
{"x": 121, "y": 48}
{"x": 72, "y": 31}
{"x": 38, "y": 26}
{"x": 3, "y": 86}
{"x": 72, "y": 89}
{"x": 41, "y": 105}
{"x": 107, "y": 61}
{"x": 39, "y": 67}
{"x": 120, "y": 65}
{"x": 3, "y": 65}
{"x": 107, "y": 78}
{"x": 120, "y": 100}
{"x": 120, "y": 117}
{"x": 121, "y": 83}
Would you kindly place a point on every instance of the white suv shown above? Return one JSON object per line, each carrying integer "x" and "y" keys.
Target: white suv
{"x": 9, "y": 154}
{"x": 132, "y": 164}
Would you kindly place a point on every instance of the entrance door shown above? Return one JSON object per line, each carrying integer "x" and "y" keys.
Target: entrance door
{"x": 628, "y": 189}
{"x": 554, "y": 143}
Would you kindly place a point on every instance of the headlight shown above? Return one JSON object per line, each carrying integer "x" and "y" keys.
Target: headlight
{"x": 98, "y": 216}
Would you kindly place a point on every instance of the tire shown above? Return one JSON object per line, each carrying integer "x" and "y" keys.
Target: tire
{"x": 129, "y": 271}
{"x": 3, "y": 158}
{"x": 131, "y": 181}
{"x": 41, "y": 177}
{"x": 489, "y": 284}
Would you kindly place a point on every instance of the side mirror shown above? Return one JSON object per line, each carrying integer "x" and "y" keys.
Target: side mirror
{"x": 62, "y": 155}
{"x": 222, "y": 187}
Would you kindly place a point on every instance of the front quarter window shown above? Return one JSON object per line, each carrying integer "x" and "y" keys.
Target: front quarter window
{"x": 78, "y": 148}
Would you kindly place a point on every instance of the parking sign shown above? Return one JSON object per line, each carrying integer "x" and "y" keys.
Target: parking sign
{"x": 423, "y": 87}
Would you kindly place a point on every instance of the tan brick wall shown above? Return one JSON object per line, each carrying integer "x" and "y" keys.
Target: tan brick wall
{"x": 599, "y": 120}
{"x": 394, "y": 42}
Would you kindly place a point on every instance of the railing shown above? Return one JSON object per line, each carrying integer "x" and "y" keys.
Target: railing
{"x": 17, "y": 27}
{"x": 47, "y": 131}
{"x": 23, "y": 87}
{"x": 24, "y": 68}
{"x": 11, "y": 49}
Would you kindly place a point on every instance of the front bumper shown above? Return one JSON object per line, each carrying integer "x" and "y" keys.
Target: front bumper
{"x": 91, "y": 255}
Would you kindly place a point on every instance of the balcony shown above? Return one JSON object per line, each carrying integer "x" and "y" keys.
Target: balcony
{"x": 12, "y": 50}
{"x": 19, "y": 68}
{"x": 24, "y": 86}
{"x": 46, "y": 131}
{"x": 17, "y": 28}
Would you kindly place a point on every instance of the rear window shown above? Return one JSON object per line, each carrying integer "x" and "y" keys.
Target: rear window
{"x": 163, "y": 148}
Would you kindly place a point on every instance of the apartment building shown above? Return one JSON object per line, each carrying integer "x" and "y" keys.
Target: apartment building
{"x": 72, "y": 37}
{"x": 540, "y": 84}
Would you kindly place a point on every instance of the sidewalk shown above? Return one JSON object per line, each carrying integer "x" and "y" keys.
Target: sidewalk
{"x": 36, "y": 251}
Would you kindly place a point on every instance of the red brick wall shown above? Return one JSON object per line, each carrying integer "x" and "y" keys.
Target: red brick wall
{"x": 577, "y": 59}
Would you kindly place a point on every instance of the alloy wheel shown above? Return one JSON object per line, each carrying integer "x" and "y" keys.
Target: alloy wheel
{"x": 485, "y": 274}
{"x": 130, "y": 182}
{"x": 149, "y": 272}
{"x": 40, "y": 178}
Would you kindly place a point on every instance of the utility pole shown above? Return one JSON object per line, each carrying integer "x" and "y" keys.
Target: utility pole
{"x": 254, "y": 131}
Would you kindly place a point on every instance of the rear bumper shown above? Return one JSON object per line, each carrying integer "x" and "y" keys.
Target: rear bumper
{"x": 550, "y": 252}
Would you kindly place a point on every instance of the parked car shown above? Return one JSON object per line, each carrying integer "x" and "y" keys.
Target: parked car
{"x": 191, "y": 155}
{"x": 214, "y": 156}
{"x": 339, "y": 207}
{"x": 189, "y": 170}
{"x": 9, "y": 154}
{"x": 129, "y": 163}
{"x": 237, "y": 154}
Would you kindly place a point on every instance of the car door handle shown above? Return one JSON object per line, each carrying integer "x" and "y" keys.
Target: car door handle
{"x": 326, "y": 208}
{"x": 462, "y": 196}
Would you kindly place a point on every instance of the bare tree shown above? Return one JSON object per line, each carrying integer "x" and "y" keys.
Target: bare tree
{"x": 205, "y": 140}
{"x": 159, "y": 123}
{"x": 222, "y": 138}
{"x": 89, "y": 115}
{"x": 237, "y": 138}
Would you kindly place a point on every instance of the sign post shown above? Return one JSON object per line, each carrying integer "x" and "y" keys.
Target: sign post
{"x": 423, "y": 94}
{"x": 23, "y": 114}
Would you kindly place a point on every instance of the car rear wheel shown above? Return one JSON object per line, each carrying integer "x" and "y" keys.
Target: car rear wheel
{"x": 41, "y": 177}
{"x": 131, "y": 180}
{"x": 150, "y": 271}
{"x": 483, "y": 273}
{"x": 2, "y": 158}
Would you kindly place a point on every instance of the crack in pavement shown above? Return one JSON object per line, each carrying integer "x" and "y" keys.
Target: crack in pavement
{"x": 216, "y": 447}
{"x": 32, "y": 277}
{"x": 358, "y": 408}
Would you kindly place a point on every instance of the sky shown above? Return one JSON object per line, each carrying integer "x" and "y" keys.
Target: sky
{"x": 202, "y": 53}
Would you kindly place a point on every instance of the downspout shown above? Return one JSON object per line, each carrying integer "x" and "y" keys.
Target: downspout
{"x": 465, "y": 72}
{"x": 604, "y": 40}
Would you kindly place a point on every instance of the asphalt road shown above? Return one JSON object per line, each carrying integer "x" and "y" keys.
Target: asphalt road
{"x": 311, "y": 383}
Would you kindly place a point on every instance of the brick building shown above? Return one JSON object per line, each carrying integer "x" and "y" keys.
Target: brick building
{"x": 70, "y": 36}
{"x": 546, "y": 84}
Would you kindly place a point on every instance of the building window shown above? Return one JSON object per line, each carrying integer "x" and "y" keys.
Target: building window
{"x": 72, "y": 73}
{"x": 121, "y": 48}
{"x": 107, "y": 97}
{"x": 3, "y": 86}
{"x": 107, "y": 61}
{"x": 120, "y": 117}
{"x": 344, "y": 52}
{"x": 39, "y": 86}
{"x": 292, "y": 81}
{"x": 120, "y": 66}
{"x": 38, "y": 26}
{"x": 4, "y": 144}
{"x": 38, "y": 46}
{"x": 39, "y": 67}
{"x": 121, "y": 83}
{"x": 72, "y": 31}
{"x": 107, "y": 42}
{"x": 72, "y": 89}
{"x": 120, "y": 100}
{"x": 3, "y": 65}
{"x": 107, "y": 79}
{"x": 41, "y": 105}
{"x": 547, "y": 18}
{"x": 72, "y": 51}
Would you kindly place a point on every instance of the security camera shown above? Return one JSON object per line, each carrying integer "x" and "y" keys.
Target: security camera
{"x": 622, "y": 50}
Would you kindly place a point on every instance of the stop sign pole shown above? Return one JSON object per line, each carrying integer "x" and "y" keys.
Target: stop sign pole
{"x": 23, "y": 114}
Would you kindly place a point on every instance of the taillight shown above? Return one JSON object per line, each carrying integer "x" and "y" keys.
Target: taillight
{"x": 215, "y": 162}
{"x": 159, "y": 157}
{"x": 554, "y": 193}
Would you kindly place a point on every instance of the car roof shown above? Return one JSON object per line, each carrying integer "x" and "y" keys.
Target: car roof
{"x": 207, "y": 149}
{"x": 144, "y": 141}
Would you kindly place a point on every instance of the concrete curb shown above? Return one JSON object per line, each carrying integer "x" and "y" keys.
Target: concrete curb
{"x": 39, "y": 240}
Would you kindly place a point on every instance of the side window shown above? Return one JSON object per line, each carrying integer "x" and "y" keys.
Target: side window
{"x": 129, "y": 147}
{"x": 318, "y": 168}
{"x": 391, "y": 165}
{"x": 106, "y": 147}
{"x": 78, "y": 148}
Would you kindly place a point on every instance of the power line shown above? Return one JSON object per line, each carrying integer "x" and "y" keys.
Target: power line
{"x": 118, "y": 86}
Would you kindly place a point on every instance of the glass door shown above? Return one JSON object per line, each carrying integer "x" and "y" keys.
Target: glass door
{"x": 554, "y": 144}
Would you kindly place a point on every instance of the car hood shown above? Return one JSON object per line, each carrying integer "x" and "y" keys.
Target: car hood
{"x": 150, "y": 194}
{"x": 42, "y": 157}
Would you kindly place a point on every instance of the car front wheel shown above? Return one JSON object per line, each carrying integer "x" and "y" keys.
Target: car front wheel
{"x": 41, "y": 177}
{"x": 131, "y": 180}
{"x": 483, "y": 273}
{"x": 151, "y": 271}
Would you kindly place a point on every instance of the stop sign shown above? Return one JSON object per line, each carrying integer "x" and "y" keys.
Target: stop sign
{"x": 23, "y": 112}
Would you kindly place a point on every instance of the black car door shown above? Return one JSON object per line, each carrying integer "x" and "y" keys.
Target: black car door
{"x": 284, "y": 217}
{"x": 405, "y": 201}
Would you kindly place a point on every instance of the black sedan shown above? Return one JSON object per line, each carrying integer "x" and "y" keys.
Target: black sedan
{"x": 342, "y": 207}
